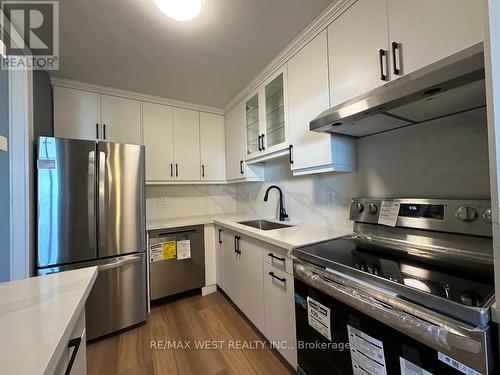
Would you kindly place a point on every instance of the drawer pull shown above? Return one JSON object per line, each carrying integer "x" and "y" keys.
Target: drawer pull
{"x": 283, "y": 280}
{"x": 275, "y": 257}
{"x": 74, "y": 343}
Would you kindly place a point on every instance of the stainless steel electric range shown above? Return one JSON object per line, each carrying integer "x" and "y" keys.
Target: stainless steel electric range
{"x": 408, "y": 292}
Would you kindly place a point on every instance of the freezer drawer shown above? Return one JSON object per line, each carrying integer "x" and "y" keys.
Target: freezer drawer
{"x": 172, "y": 276}
{"x": 118, "y": 298}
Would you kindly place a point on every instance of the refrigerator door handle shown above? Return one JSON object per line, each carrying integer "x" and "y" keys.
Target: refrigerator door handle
{"x": 91, "y": 199}
{"x": 102, "y": 209}
{"x": 120, "y": 262}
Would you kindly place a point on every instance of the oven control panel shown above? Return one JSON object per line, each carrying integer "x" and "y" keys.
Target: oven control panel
{"x": 457, "y": 216}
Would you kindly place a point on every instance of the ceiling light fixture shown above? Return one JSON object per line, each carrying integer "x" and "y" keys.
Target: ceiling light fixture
{"x": 180, "y": 10}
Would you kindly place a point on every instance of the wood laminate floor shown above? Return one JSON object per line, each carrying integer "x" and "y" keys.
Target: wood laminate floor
{"x": 192, "y": 318}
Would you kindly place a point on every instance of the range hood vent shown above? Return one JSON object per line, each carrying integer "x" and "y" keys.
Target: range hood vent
{"x": 452, "y": 85}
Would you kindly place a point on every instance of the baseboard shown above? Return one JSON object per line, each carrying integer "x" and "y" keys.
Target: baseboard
{"x": 208, "y": 289}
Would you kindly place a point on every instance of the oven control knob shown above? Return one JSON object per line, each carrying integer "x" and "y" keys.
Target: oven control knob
{"x": 359, "y": 207}
{"x": 373, "y": 208}
{"x": 466, "y": 214}
{"x": 487, "y": 215}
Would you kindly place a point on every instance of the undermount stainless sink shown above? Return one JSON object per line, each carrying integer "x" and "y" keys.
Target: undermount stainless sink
{"x": 264, "y": 224}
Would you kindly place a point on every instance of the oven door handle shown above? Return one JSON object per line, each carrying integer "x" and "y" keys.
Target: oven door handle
{"x": 444, "y": 336}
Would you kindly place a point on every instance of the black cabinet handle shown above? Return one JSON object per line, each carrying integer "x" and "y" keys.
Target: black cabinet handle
{"x": 381, "y": 55}
{"x": 283, "y": 280}
{"x": 176, "y": 170}
{"x": 275, "y": 257}
{"x": 263, "y": 147}
{"x": 395, "y": 46}
{"x": 220, "y": 235}
{"x": 237, "y": 244}
{"x": 104, "y": 131}
{"x": 260, "y": 148}
{"x": 171, "y": 170}
{"x": 290, "y": 150}
{"x": 202, "y": 171}
{"x": 97, "y": 131}
{"x": 241, "y": 167}
{"x": 73, "y": 343}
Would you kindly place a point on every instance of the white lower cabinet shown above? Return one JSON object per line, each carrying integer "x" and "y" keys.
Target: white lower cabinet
{"x": 251, "y": 286}
{"x": 219, "y": 256}
{"x": 279, "y": 312}
{"x": 76, "y": 347}
{"x": 258, "y": 278}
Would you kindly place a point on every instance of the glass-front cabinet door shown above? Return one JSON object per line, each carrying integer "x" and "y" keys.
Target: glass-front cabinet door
{"x": 275, "y": 112}
{"x": 266, "y": 119}
{"x": 252, "y": 123}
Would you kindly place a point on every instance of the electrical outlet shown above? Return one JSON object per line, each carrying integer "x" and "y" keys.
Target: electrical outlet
{"x": 162, "y": 201}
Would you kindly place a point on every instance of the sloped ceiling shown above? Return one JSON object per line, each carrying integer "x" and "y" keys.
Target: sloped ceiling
{"x": 130, "y": 44}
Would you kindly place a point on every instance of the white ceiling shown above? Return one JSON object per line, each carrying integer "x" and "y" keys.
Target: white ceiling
{"x": 130, "y": 44}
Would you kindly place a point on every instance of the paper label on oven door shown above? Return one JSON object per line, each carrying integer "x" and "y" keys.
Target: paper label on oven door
{"x": 318, "y": 316}
{"x": 367, "y": 353}
{"x": 389, "y": 211}
{"x": 409, "y": 368}
{"x": 457, "y": 365}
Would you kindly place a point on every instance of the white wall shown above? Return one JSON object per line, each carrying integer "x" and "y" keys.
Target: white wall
{"x": 446, "y": 158}
{"x": 189, "y": 200}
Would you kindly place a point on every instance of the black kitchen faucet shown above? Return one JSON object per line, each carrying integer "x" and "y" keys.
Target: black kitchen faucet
{"x": 283, "y": 214}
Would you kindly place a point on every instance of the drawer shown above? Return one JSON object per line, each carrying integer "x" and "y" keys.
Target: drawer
{"x": 277, "y": 257}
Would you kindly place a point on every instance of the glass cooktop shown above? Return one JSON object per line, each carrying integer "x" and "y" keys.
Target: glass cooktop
{"x": 466, "y": 283}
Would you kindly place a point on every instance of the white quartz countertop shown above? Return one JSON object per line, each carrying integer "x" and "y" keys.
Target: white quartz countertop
{"x": 297, "y": 234}
{"x": 37, "y": 316}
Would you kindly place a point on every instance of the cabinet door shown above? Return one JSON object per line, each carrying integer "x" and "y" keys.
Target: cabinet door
{"x": 77, "y": 114}
{"x": 212, "y": 144}
{"x": 235, "y": 142}
{"x": 219, "y": 256}
{"x": 121, "y": 119}
{"x": 308, "y": 96}
{"x": 251, "y": 281}
{"x": 159, "y": 141}
{"x": 187, "y": 144}
{"x": 231, "y": 266}
{"x": 429, "y": 30}
{"x": 280, "y": 310}
{"x": 354, "y": 42}
{"x": 253, "y": 125}
{"x": 274, "y": 94}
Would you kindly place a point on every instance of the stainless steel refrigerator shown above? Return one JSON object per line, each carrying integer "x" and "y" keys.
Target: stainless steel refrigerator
{"x": 91, "y": 212}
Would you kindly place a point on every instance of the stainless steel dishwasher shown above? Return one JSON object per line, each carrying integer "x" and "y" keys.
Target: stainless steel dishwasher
{"x": 177, "y": 260}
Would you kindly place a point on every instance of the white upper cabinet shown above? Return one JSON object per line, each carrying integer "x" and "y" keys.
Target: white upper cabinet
{"x": 428, "y": 30}
{"x": 159, "y": 141}
{"x": 308, "y": 96}
{"x": 77, "y": 114}
{"x": 266, "y": 119}
{"x": 236, "y": 166}
{"x": 357, "y": 51}
{"x": 186, "y": 144}
{"x": 82, "y": 114}
{"x": 376, "y": 41}
{"x": 121, "y": 119}
{"x": 275, "y": 135}
{"x": 212, "y": 144}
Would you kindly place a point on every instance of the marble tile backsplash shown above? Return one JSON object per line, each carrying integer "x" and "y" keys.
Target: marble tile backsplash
{"x": 166, "y": 201}
{"x": 446, "y": 158}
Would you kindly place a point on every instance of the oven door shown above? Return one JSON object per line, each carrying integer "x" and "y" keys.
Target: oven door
{"x": 342, "y": 330}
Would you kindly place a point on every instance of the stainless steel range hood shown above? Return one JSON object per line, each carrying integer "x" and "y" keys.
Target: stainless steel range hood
{"x": 452, "y": 85}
